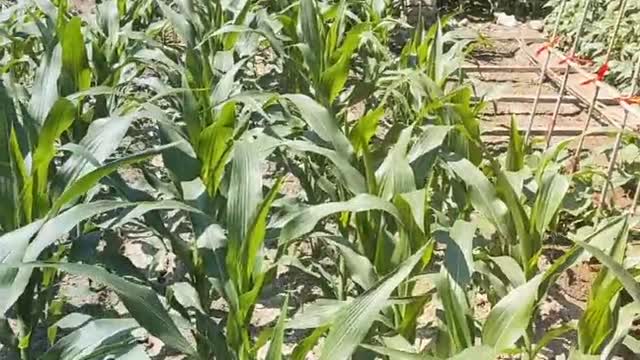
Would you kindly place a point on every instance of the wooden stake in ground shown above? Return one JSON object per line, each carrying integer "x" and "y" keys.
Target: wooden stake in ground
{"x": 616, "y": 146}
{"x": 563, "y": 87}
{"x": 550, "y": 43}
{"x": 604, "y": 67}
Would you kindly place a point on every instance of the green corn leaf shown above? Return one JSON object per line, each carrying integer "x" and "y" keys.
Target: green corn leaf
{"x": 627, "y": 280}
{"x": 509, "y": 319}
{"x": 530, "y": 243}
{"x": 353, "y": 322}
{"x": 510, "y": 269}
{"x": 626, "y": 317}
{"x": 306, "y": 220}
{"x": 318, "y": 314}
{"x": 321, "y": 122}
{"x": 88, "y": 181}
{"x": 365, "y": 129}
{"x": 141, "y": 302}
{"x": 244, "y": 201}
{"x": 396, "y": 354}
{"x": 597, "y": 323}
{"x": 311, "y": 35}
{"x": 334, "y": 78}
{"x": 348, "y": 175}
{"x": 9, "y": 215}
{"x": 395, "y": 175}
{"x": 226, "y": 84}
{"x": 59, "y": 119}
{"x": 101, "y": 140}
{"x": 76, "y": 73}
{"x": 214, "y": 144}
{"x": 477, "y": 353}
{"x": 255, "y": 240}
{"x": 181, "y": 160}
{"x": 549, "y": 198}
{"x": 45, "y": 90}
{"x": 455, "y": 276}
{"x": 102, "y": 337}
{"x": 482, "y": 194}
{"x": 12, "y": 248}
{"x": 515, "y": 151}
{"x": 431, "y": 138}
{"x": 12, "y": 286}
{"x": 303, "y": 348}
{"x": 179, "y": 22}
{"x": 361, "y": 269}
{"x": 275, "y": 348}
{"x": 108, "y": 17}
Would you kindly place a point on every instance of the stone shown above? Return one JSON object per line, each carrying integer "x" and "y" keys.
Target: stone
{"x": 506, "y": 20}
{"x": 537, "y": 25}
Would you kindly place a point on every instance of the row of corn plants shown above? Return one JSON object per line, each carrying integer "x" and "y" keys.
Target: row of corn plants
{"x": 294, "y": 143}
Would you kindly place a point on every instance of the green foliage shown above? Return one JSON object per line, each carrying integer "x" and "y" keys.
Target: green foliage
{"x": 289, "y": 145}
{"x": 596, "y": 37}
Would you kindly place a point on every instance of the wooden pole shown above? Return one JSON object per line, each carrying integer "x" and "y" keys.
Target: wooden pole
{"x": 544, "y": 71}
{"x": 616, "y": 146}
{"x": 576, "y": 160}
{"x": 563, "y": 87}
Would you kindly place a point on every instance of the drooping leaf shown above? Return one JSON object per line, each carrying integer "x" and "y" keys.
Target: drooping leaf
{"x": 482, "y": 194}
{"x": 86, "y": 182}
{"x": 431, "y": 138}
{"x": 101, "y": 140}
{"x": 361, "y": 270}
{"x": 141, "y": 302}
{"x": 349, "y": 175}
{"x": 627, "y": 280}
{"x": 353, "y": 321}
{"x": 305, "y": 221}
{"x": 322, "y": 123}
{"x": 12, "y": 248}
{"x": 320, "y": 313}
{"x": 106, "y": 337}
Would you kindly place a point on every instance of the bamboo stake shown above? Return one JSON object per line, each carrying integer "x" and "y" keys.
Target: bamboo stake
{"x": 563, "y": 87}
{"x": 616, "y": 146}
{"x": 543, "y": 73}
{"x": 576, "y": 159}
{"x": 601, "y": 109}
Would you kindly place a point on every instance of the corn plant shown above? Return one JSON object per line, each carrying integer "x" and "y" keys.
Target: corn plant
{"x": 291, "y": 140}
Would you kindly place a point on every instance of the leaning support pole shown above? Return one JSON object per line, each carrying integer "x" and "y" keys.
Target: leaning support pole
{"x": 616, "y": 146}
{"x": 563, "y": 87}
{"x": 543, "y": 73}
{"x": 604, "y": 67}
